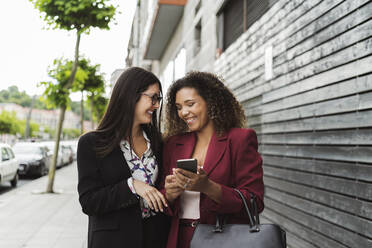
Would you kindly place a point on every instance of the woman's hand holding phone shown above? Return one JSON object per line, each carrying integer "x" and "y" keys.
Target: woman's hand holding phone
{"x": 192, "y": 181}
{"x": 186, "y": 174}
{"x": 198, "y": 182}
{"x": 184, "y": 178}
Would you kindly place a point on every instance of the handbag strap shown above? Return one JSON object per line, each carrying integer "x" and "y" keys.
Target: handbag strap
{"x": 254, "y": 221}
{"x": 255, "y": 208}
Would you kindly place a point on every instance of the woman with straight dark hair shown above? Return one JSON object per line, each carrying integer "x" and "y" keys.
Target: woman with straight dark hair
{"x": 119, "y": 164}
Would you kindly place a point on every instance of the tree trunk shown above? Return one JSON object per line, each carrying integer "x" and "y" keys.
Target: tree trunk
{"x": 28, "y": 119}
{"x": 53, "y": 166}
{"x": 76, "y": 61}
{"x": 52, "y": 169}
{"x": 91, "y": 110}
{"x": 82, "y": 113}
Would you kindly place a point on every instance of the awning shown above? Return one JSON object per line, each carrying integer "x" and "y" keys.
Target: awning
{"x": 166, "y": 17}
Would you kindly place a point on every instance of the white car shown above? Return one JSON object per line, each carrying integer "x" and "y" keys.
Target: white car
{"x": 73, "y": 145}
{"x": 8, "y": 165}
{"x": 50, "y": 145}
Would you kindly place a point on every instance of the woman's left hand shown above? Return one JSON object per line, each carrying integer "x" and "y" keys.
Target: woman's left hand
{"x": 192, "y": 181}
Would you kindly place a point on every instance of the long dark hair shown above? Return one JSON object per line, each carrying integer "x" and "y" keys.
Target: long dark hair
{"x": 117, "y": 121}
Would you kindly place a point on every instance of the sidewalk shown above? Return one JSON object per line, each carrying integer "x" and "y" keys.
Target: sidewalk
{"x": 32, "y": 220}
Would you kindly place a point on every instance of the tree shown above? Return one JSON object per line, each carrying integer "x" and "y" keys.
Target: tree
{"x": 80, "y": 16}
{"x": 13, "y": 95}
{"x": 75, "y": 107}
{"x": 94, "y": 85}
{"x": 98, "y": 105}
{"x": 56, "y": 95}
{"x": 10, "y": 96}
{"x": 96, "y": 100}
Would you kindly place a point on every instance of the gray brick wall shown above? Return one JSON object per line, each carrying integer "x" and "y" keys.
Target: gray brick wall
{"x": 313, "y": 117}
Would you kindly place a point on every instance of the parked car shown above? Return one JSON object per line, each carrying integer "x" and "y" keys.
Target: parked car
{"x": 72, "y": 148}
{"x": 60, "y": 159}
{"x": 68, "y": 154}
{"x": 8, "y": 165}
{"x": 33, "y": 158}
{"x": 65, "y": 154}
{"x": 73, "y": 145}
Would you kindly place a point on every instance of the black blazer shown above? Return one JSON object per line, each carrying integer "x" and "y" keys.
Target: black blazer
{"x": 114, "y": 213}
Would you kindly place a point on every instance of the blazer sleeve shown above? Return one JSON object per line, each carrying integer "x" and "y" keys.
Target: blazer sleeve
{"x": 247, "y": 175}
{"x": 173, "y": 208}
{"x": 95, "y": 197}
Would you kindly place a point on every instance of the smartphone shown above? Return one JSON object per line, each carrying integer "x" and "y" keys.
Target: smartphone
{"x": 188, "y": 164}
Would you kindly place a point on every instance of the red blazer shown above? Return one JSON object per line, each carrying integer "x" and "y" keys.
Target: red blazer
{"x": 232, "y": 161}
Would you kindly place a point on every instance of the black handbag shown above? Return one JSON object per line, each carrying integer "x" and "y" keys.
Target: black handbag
{"x": 254, "y": 235}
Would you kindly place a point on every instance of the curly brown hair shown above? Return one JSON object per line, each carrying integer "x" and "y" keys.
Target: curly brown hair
{"x": 222, "y": 107}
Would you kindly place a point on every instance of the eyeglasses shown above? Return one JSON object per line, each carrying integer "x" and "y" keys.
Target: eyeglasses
{"x": 154, "y": 98}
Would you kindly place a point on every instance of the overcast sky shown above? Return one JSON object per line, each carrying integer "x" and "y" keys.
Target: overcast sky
{"x": 27, "y": 48}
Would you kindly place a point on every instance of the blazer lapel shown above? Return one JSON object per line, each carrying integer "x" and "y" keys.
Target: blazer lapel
{"x": 216, "y": 149}
{"x": 185, "y": 146}
{"x": 123, "y": 164}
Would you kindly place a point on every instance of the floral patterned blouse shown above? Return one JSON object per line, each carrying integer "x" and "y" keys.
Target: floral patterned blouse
{"x": 144, "y": 169}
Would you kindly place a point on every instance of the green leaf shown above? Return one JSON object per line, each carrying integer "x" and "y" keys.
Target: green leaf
{"x": 71, "y": 15}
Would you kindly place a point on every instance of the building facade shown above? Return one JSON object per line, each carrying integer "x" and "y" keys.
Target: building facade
{"x": 48, "y": 118}
{"x": 303, "y": 72}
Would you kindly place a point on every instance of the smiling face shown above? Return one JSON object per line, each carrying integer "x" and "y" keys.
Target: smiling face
{"x": 192, "y": 109}
{"x": 144, "y": 108}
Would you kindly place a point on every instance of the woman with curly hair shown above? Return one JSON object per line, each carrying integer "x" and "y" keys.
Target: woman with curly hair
{"x": 205, "y": 121}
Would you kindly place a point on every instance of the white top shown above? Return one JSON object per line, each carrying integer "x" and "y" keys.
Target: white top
{"x": 144, "y": 169}
{"x": 189, "y": 202}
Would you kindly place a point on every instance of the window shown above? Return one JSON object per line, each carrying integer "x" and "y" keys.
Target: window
{"x": 4, "y": 154}
{"x": 232, "y": 21}
{"x": 236, "y": 16}
{"x": 10, "y": 152}
{"x": 180, "y": 64}
{"x": 168, "y": 76}
{"x": 174, "y": 70}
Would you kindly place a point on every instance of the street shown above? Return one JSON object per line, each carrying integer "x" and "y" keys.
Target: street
{"x": 5, "y": 187}
{"x": 23, "y": 180}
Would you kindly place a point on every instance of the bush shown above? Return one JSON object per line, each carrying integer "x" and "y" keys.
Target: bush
{"x": 71, "y": 133}
{"x": 9, "y": 123}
